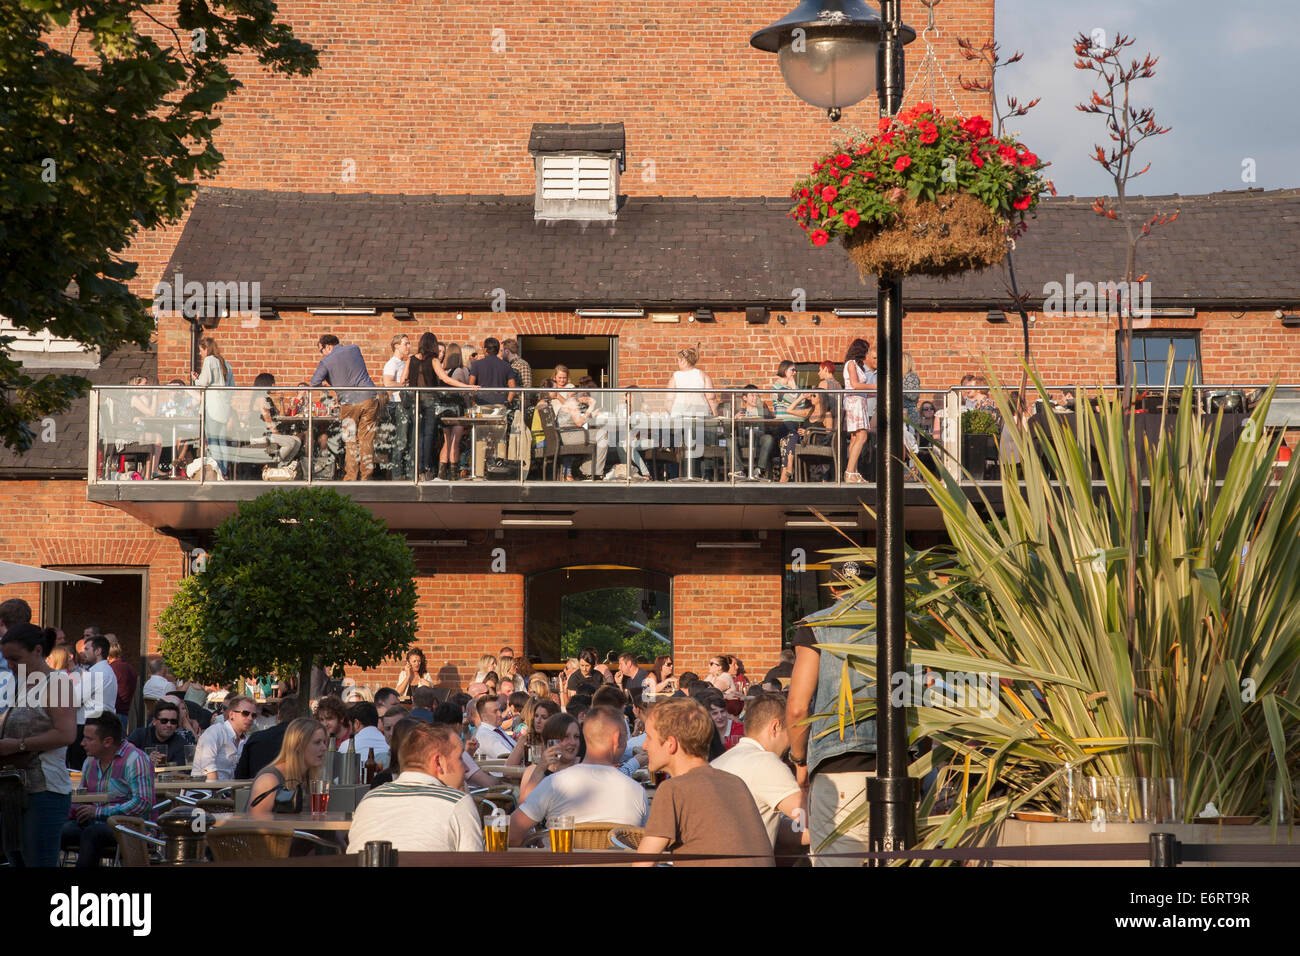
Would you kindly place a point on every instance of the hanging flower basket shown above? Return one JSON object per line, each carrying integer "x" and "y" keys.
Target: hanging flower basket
{"x": 927, "y": 195}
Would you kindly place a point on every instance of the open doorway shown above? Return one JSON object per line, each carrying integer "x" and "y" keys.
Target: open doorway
{"x": 594, "y": 355}
{"x": 117, "y": 606}
{"x": 608, "y": 607}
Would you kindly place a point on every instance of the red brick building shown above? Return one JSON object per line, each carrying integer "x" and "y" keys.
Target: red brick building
{"x": 400, "y": 177}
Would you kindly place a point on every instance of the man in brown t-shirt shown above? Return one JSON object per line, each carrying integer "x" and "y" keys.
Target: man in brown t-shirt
{"x": 698, "y": 809}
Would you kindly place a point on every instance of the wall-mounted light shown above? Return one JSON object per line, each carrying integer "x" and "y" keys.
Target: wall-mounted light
{"x": 855, "y": 313}
{"x": 996, "y": 316}
{"x": 757, "y": 315}
{"x": 1179, "y": 313}
{"x": 817, "y": 320}
{"x": 344, "y": 310}
{"x": 704, "y": 315}
{"x": 721, "y": 545}
{"x": 1289, "y": 320}
{"x": 781, "y": 319}
{"x": 460, "y": 316}
{"x": 440, "y": 543}
{"x": 610, "y": 313}
{"x": 403, "y": 314}
{"x": 537, "y": 522}
{"x": 267, "y": 312}
{"x": 665, "y": 317}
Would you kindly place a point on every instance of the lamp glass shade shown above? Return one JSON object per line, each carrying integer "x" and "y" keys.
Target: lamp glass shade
{"x": 830, "y": 71}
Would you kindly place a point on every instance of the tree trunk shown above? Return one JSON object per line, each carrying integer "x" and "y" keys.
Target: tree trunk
{"x": 304, "y": 688}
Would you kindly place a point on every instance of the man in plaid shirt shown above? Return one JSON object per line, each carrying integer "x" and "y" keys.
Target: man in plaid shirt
{"x": 115, "y": 767}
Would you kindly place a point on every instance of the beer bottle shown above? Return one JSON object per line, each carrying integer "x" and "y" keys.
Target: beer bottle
{"x": 372, "y": 768}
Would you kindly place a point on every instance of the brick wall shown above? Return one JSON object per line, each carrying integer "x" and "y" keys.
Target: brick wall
{"x": 1251, "y": 347}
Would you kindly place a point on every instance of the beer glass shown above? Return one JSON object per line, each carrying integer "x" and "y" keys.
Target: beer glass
{"x": 561, "y": 831}
{"x": 496, "y": 833}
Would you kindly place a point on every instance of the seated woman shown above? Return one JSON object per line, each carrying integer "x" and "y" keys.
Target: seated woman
{"x": 536, "y": 713}
{"x": 759, "y": 436}
{"x": 262, "y": 429}
{"x": 562, "y": 737}
{"x": 792, "y": 409}
{"x": 299, "y": 762}
{"x": 144, "y": 404}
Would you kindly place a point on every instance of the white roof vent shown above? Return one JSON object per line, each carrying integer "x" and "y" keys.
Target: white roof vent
{"x": 577, "y": 170}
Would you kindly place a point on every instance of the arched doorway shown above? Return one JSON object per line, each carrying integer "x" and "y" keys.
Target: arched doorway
{"x": 608, "y": 607}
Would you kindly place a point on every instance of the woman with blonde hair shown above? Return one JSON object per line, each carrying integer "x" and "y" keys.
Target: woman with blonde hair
{"x": 486, "y": 665}
{"x": 299, "y": 762}
{"x": 215, "y": 374}
{"x": 539, "y": 687}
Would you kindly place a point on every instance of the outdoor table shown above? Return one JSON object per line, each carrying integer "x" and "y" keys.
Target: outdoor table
{"x": 309, "y": 822}
{"x": 751, "y": 424}
{"x": 691, "y": 423}
{"x": 160, "y": 424}
{"x": 473, "y": 423}
{"x": 84, "y": 797}
{"x": 194, "y": 783}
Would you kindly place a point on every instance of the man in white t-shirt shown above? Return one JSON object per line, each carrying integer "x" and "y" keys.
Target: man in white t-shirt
{"x": 424, "y": 810}
{"x": 594, "y": 791}
{"x": 756, "y": 759}
{"x": 99, "y": 688}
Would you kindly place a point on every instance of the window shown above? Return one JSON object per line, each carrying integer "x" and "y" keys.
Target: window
{"x": 44, "y": 350}
{"x": 1151, "y": 354}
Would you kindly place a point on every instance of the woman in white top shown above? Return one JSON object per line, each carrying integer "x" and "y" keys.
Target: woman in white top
{"x": 215, "y": 375}
{"x": 691, "y": 404}
{"x": 38, "y": 736}
{"x": 856, "y": 380}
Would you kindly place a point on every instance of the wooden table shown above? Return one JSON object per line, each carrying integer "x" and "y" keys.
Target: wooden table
{"x": 83, "y": 797}
{"x": 193, "y": 783}
{"x": 288, "y": 821}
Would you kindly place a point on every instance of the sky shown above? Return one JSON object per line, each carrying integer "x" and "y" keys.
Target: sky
{"x": 1227, "y": 83}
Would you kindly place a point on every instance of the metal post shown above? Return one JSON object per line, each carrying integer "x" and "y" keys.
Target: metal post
{"x": 311, "y": 441}
{"x": 1164, "y": 850}
{"x": 892, "y": 793}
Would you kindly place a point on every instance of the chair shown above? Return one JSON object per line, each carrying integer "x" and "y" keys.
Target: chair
{"x": 248, "y": 842}
{"x": 136, "y": 846}
{"x": 626, "y": 838}
{"x": 818, "y": 446}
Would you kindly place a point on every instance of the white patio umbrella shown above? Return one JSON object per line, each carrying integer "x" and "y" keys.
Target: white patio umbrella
{"x": 23, "y": 574}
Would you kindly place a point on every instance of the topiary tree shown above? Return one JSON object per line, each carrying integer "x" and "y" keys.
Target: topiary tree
{"x": 297, "y": 578}
{"x": 181, "y": 627}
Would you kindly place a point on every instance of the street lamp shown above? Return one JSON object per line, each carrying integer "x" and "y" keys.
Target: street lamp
{"x": 832, "y": 54}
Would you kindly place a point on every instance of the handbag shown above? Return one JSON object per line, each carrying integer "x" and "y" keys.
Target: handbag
{"x": 287, "y": 472}
{"x": 286, "y": 800}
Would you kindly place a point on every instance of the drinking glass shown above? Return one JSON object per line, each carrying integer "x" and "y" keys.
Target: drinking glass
{"x": 535, "y": 754}
{"x": 1120, "y": 795}
{"x": 190, "y": 750}
{"x": 1071, "y": 793}
{"x": 1093, "y": 800}
{"x": 496, "y": 833}
{"x": 159, "y": 756}
{"x": 561, "y": 831}
{"x": 320, "y": 796}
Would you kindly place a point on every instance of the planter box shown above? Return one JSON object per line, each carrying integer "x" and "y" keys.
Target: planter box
{"x": 976, "y": 453}
{"x": 1020, "y": 833}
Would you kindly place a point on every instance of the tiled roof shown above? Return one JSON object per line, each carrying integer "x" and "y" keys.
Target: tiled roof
{"x": 65, "y": 456}
{"x": 597, "y": 137}
{"x": 453, "y": 251}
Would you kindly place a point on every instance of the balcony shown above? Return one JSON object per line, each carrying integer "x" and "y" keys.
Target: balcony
{"x": 183, "y": 458}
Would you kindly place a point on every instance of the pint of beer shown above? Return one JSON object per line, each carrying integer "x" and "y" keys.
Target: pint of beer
{"x": 496, "y": 832}
{"x": 561, "y": 830}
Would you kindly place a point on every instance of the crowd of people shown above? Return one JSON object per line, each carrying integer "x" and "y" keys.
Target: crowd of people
{"x": 363, "y": 429}
{"x": 587, "y": 737}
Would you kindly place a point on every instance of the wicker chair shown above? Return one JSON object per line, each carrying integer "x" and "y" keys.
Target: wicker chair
{"x": 586, "y": 836}
{"x": 249, "y": 842}
{"x": 626, "y": 838}
{"x": 135, "y": 845}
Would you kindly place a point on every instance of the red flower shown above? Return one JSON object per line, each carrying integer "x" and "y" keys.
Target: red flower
{"x": 805, "y": 193}
{"x": 1021, "y": 203}
{"x": 861, "y": 150}
{"x": 820, "y": 237}
{"x": 977, "y": 126}
{"x": 1008, "y": 153}
{"x": 1028, "y": 159}
{"x": 929, "y": 132}
{"x": 817, "y": 168}
{"x": 902, "y": 162}
{"x": 883, "y": 124}
{"x": 888, "y": 138}
{"x": 843, "y": 160}
{"x": 829, "y": 193}
{"x": 846, "y": 180}
{"x": 976, "y": 158}
{"x": 851, "y": 218}
{"x": 868, "y": 175}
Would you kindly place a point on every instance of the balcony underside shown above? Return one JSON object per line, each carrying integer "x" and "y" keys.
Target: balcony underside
{"x": 186, "y": 506}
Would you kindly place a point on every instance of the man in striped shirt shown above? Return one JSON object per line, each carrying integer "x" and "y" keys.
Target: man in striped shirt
{"x": 115, "y": 767}
{"x": 424, "y": 810}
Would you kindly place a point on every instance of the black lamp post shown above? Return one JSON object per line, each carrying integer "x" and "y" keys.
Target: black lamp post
{"x": 832, "y": 54}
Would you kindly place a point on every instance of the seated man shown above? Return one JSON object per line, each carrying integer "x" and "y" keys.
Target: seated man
{"x": 223, "y": 742}
{"x": 423, "y": 701}
{"x": 698, "y": 809}
{"x": 164, "y": 731}
{"x": 118, "y": 768}
{"x": 366, "y": 735}
{"x": 493, "y": 742}
{"x": 756, "y": 759}
{"x": 594, "y": 791}
{"x": 423, "y": 810}
{"x": 390, "y": 720}
{"x": 386, "y": 697}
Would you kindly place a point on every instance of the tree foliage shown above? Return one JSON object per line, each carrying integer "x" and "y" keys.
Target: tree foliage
{"x": 599, "y": 619}
{"x": 295, "y": 577}
{"x": 103, "y": 134}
